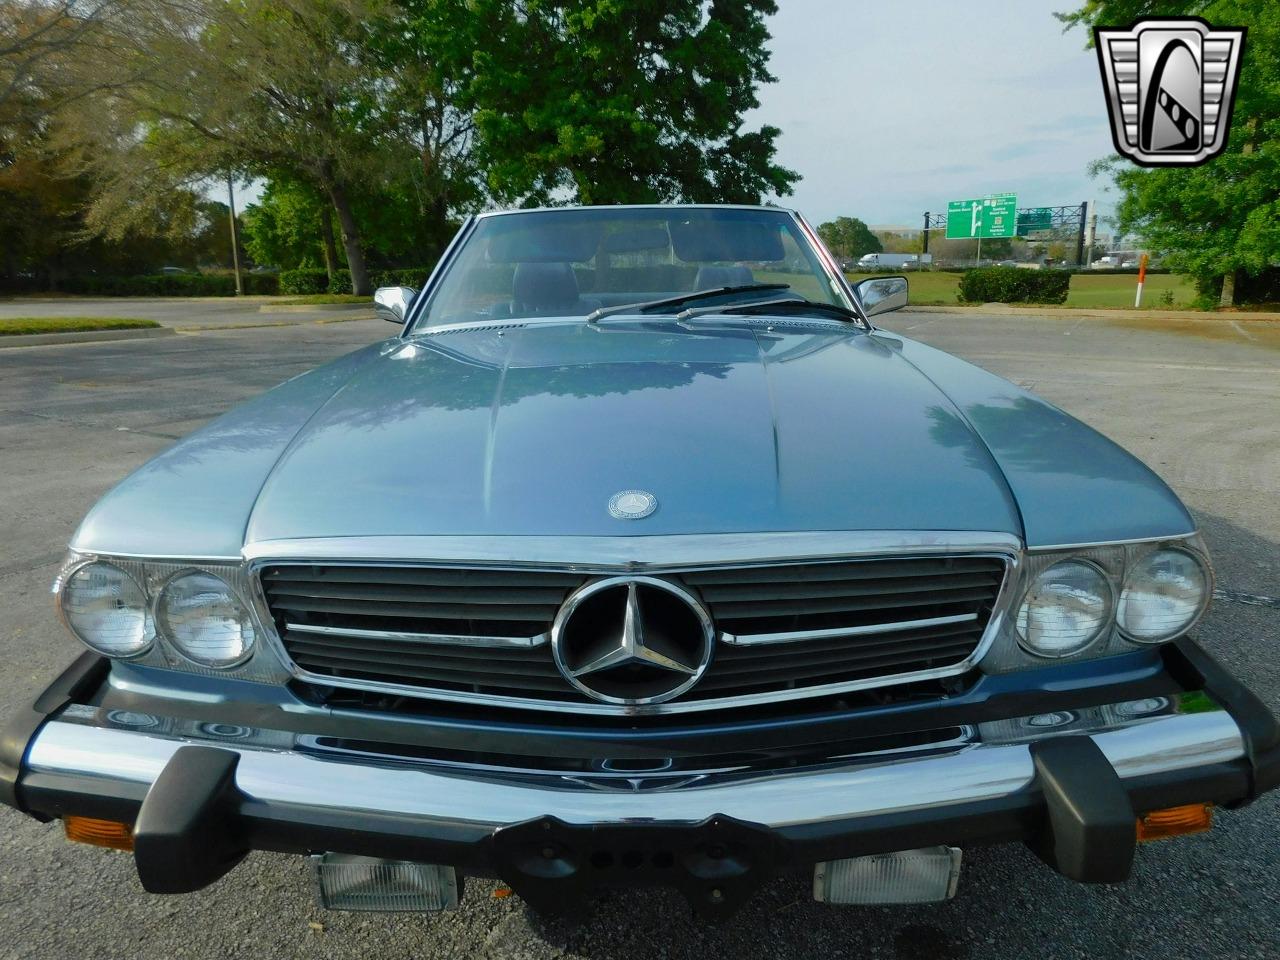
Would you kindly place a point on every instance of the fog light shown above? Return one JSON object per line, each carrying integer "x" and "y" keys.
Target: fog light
{"x": 348, "y": 882}
{"x": 98, "y": 833}
{"x": 1176, "y": 821}
{"x": 927, "y": 875}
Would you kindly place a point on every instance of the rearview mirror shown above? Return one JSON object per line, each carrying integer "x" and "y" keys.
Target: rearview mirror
{"x": 882, "y": 294}
{"x": 392, "y": 303}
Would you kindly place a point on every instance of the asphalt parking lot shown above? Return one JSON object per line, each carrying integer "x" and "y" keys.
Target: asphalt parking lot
{"x": 1201, "y": 405}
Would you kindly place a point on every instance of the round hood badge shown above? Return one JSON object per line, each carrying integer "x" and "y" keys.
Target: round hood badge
{"x": 632, "y": 504}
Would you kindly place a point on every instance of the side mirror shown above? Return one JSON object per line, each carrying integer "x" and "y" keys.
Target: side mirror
{"x": 882, "y": 294}
{"x": 392, "y": 303}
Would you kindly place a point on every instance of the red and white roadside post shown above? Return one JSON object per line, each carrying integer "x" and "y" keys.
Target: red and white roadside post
{"x": 1142, "y": 278}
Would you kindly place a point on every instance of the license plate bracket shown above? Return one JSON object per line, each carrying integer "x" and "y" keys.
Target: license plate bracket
{"x": 717, "y": 864}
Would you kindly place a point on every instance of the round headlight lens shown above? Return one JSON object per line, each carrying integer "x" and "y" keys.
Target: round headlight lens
{"x": 106, "y": 610}
{"x": 203, "y": 617}
{"x": 1065, "y": 609}
{"x": 1163, "y": 594}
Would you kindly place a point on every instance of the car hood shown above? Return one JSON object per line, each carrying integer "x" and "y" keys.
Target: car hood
{"x": 735, "y": 426}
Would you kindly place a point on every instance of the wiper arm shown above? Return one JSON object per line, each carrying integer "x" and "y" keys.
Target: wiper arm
{"x": 780, "y": 306}
{"x": 645, "y": 306}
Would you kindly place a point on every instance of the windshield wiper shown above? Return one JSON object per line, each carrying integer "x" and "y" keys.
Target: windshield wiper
{"x": 646, "y": 306}
{"x": 781, "y": 306}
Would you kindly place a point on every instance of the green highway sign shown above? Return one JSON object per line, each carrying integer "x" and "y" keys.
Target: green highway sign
{"x": 1034, "y": 220}
{"x": 990, "y": 217}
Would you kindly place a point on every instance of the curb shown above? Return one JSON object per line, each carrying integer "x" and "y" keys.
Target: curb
{"x": 194, "y": 328}
{"x": 83, "y": 336}
{"x": 313, "y": 307}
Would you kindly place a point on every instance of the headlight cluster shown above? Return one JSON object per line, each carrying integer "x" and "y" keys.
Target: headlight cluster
{"x": 1151, "y": 595}
{"x": 111, "y": 610}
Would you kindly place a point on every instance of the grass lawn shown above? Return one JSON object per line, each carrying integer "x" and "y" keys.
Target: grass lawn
{"x": 1087, "y": 289}
{"x": 314, "y": 298}
{"x": 25, "y": 325}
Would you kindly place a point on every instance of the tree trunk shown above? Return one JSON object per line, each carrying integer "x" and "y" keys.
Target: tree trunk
{"x": 350, "y": 240}
{"x": 1228, "y": 298}
{"x": 326, "y": 242}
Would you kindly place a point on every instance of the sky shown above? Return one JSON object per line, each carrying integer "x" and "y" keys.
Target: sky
{"x": 889, "y": 109}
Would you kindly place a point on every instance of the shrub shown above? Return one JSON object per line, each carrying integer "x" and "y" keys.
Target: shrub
{"x": 262, "y": 284}
{"x": 220, "y": 284}
{"x": 311, "y": 280}
{"x": 407, "y": 277}
{"x": 1013, "y": 285}
{"x": 1251, "y": 288}
{"x": 304, "y": 281}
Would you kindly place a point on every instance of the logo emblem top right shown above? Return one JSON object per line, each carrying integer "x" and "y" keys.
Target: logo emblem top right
{"x": 1169, "y": 86}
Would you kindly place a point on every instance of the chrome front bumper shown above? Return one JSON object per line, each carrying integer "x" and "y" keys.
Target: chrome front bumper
{"x": 471, "y": 806}
{"x": 1068, "y": 782}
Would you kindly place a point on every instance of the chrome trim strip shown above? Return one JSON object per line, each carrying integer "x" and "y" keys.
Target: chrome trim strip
{"x": 476, "y": 805}
{"x": 634, "y": 554}
{"x": 752, "y": 639}
{"x": 443, "y": 639}
{"x": 1058, "y": 547}
{"x": 640, "y": 554}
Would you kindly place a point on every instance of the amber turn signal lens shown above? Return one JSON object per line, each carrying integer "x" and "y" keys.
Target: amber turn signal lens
{"x": 1176, "y": 821}
{"x": 99, "y": 833}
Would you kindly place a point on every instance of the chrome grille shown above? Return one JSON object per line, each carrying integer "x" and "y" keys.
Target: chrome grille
{"x": 784, "y": 628}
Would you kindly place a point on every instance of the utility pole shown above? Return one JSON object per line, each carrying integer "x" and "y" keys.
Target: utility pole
{"x": 235, "y": 248}
{"x": 926, "y": 232}
{"x": 1084, "y": 212}
{"x": 1092, "y": 238}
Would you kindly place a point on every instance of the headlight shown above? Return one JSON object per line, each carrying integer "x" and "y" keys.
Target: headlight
{"x": 1164, "y": 593}
{"x": 205, "y": 620}
{"x": 106, "y": 610}
{"x": 1065, "y": 609}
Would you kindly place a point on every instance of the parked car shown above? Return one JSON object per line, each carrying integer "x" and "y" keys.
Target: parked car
{"x": 638, "y": 555}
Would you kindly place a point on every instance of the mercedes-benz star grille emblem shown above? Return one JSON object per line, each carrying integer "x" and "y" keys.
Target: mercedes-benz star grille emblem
{"x": 632, "y": 640}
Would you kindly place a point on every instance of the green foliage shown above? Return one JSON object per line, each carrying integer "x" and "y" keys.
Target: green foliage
{"x": 284, "y": 227}
{"x": 308, "y": 281}
{"x": 18, "y": 326}
{"x": 1014, "y": 285}
{"x": 1224, "y": 216}
{"x": 849, "y": 238}
{"x": 169, "y": 285}
{"x": 1251, "y": 288}
{"x": 617, "y": 102}
{"x": 304, "y": 281}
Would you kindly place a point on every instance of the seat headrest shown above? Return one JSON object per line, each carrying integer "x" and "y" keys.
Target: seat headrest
{"x": 544, "y": 286}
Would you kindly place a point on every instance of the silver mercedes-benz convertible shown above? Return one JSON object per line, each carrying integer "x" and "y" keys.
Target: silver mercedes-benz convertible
{"x": 640, "y": 555}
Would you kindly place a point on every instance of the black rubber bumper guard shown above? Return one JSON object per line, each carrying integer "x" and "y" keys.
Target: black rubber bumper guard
{"x": 193, "y": 825}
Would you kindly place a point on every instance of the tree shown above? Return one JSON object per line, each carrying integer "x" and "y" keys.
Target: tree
{"x": 849, "y": 238}
{"x": 603, "y": 101}
{"x": 1223, "y": 217}
{"x": 423, "y": 47}
{"x": 263, "y": 87}
{"x": 286, "y": 227}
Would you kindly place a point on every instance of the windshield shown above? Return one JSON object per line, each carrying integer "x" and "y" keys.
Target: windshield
{"x": 568, "y": 263}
